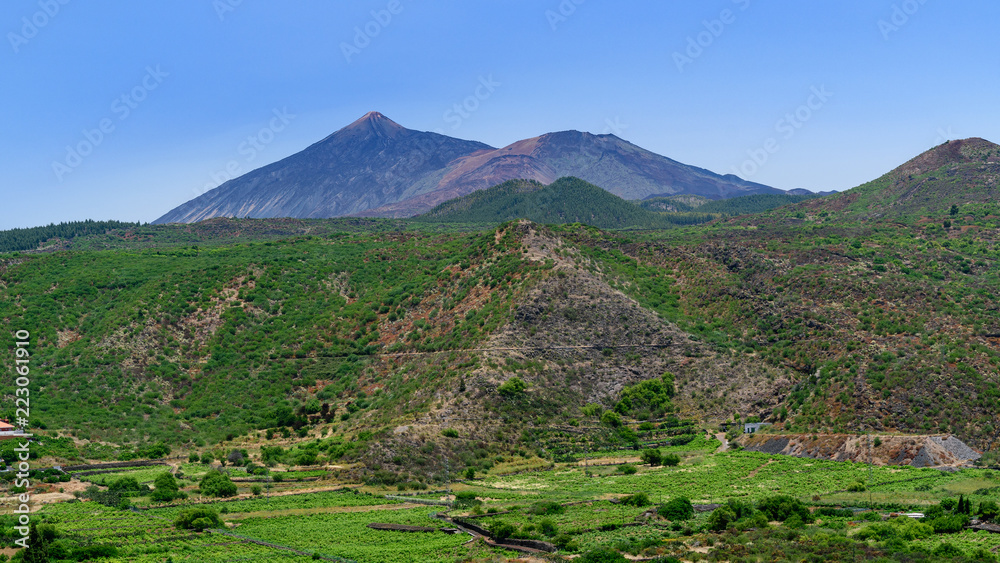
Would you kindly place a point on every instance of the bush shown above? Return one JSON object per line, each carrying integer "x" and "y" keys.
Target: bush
{"x": 638, "y": 499}
{"x": 511, "y": 388}
{"x": 449, "y": 433}
{"x": 611, "y": 418}
{"x": 628, "y": 469}
{"x": 166, "y": 488}
{"x": 947, "y": 550}
{"x": 948, "y": 524}
{"x": 197, "y": 519}
{"x": 988, "y": 510}
{"x": 677, "y": 510}
{"x": 781, "y": 507}
{"x": 216, "y": 484}
{"x": 126, "y": 485}
{"x": 466, "y": 499}
{"x": 256, "y": 490}
{"x": 651, "y": 456}
{"x": 546, "y": 507}
{"x": 902, "y": 528}
{"x": 501, "y": 530}
{"x": 857, "y": 487}
{"x": 671, "y": 460}
{"x": 602, "y": 555}
{"x": 720, "y": 519}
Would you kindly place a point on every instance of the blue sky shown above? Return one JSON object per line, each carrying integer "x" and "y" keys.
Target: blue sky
{"x": 123, "y": 110}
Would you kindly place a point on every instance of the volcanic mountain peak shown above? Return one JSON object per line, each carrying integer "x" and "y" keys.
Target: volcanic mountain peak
{"x": 950, "y": 152}
{"x": 372, "y": 123}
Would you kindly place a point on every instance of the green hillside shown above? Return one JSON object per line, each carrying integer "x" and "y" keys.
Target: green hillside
{"x": 958, "y": 179}
{"x": 567, "y": 200}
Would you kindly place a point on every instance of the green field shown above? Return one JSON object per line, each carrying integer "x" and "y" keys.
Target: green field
{"x": 577, "y": 509}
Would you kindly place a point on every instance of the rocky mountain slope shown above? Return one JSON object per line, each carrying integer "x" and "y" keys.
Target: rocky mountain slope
{"x": 913, "y": 450}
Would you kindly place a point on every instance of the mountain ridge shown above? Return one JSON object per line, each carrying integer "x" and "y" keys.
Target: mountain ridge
{"x": 375, "y": 167}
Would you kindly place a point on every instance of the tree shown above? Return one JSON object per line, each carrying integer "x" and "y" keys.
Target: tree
{"x": 198, "y": 519}
{"x": 166, "y": 488}
{"x": 651, "y": 456}
{"x": 678, "y": 509}
{"x": 236, "y": 457}
{"x": 671, "y": 460}
{"x": 216, "y": 484}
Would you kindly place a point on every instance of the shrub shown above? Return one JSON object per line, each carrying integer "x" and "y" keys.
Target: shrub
{"x": 678, "y": 509}
{"x": 857, "y": 487}
{"x": 466, "y": 499}
{"x": 449, "y": 433}
{"x": 720, "y": 519}
{"x": 547, "y": 527}
{"x": 126, "y": 485}
{"x": 671, "y": 460}
{"x": 602, "y": 555}
{"x": 216, "y": 484}
{"x": 651, "y": 456}
{"x": 611, "y": 418}
{"x": 501, "y": 530}
{"x": 513, "y": 387}
{"x": 198, "y": 519}
{"x": 781, "y": 507}
{"x": 948, "y": 524}
{"x": 256, "y": 490}
{"x": 988, "y": 510}
{"x": 628, "y": 469}
{"x": 546, "y": 507}
{"x": 947, "y": 550}
{"x": 638, "y": 499}
{"x": 166, "y": 488}
{"x": 903, "y": 528}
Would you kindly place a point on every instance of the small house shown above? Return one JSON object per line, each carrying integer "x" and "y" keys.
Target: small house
{"x": 751, "y": 427}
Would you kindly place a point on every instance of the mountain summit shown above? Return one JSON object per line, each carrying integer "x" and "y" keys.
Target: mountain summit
{"x": 376, "y": 167}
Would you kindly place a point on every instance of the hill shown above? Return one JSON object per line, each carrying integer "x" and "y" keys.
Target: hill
{"x": 740, "y": 205}
{"x": 954, "y": 178}
{"x": 375, "y": 167}
{"x": 567, "y": 200}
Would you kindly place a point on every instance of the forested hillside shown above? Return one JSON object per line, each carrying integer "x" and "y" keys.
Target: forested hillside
{"x": 567, "y": 200}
